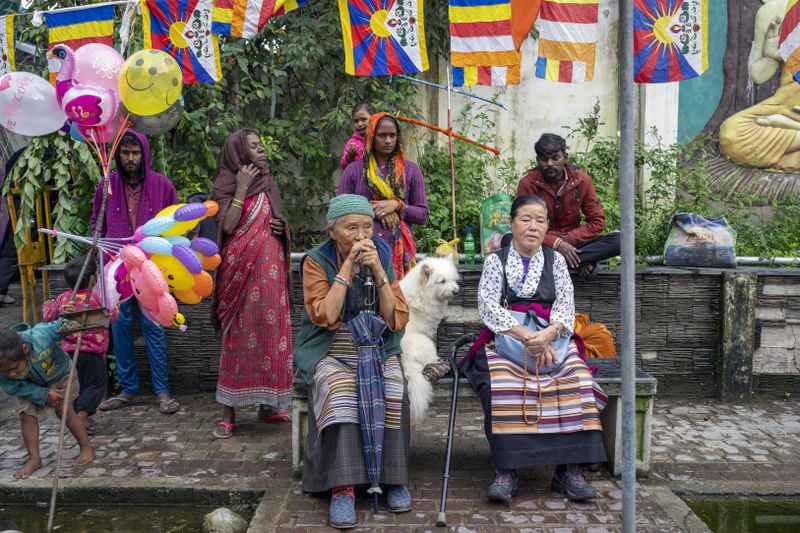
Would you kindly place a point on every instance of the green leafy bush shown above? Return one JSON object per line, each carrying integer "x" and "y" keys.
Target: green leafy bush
{"x": 679, "y": 183}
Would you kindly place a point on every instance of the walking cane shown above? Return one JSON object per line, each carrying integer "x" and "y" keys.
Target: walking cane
{"x": 441, "y": 518}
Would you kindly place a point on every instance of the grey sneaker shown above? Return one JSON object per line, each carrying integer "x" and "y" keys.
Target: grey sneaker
{"x": 398, "y": 499}
{"x": 572, "y": 483}
{"x": 505, "y": 486}
{"x": 342, "y": 514}
{"x": 5, "y": 299}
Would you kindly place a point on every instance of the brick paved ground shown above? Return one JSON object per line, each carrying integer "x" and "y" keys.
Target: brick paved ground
{"x": 728, "y": 447}
{"x": 140, "y": 447}
{"x": 727, "y": 442}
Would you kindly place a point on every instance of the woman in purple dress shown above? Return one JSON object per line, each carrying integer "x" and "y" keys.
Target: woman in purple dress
{"x": 393, "y": 186}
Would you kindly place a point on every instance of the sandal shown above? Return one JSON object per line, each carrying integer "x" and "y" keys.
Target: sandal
{"x": 224, "y": 431}
{"x": 116, "y": 402}
{"x": 271, "y": 415}
{"x": 281, "y": 417}
{"x": 168, "y": 407}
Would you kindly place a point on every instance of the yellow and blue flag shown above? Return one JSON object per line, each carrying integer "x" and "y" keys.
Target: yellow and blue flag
{"x": 7, "y": 44}
{"x": 77, "y": 27}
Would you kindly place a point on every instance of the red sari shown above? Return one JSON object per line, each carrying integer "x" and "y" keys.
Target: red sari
{"x": 255, "y": 364}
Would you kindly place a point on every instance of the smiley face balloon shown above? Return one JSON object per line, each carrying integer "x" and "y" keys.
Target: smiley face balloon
{"x": 150, "y": 82}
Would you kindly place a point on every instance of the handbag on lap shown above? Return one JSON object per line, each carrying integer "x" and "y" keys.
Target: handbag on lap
{"x": 513, "y": 349}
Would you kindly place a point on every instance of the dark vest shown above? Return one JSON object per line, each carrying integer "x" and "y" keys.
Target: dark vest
{"x": 546, "y": 291}
{"x": 313, "y": 342}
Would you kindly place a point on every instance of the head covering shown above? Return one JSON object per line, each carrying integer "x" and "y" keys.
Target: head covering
{"x": 349, "y": 204}
{"x": 235, "y": 155}
{"x": 395, "y": 178}
{"x": 390, "y": 185}
{"x": 143, "y": 144}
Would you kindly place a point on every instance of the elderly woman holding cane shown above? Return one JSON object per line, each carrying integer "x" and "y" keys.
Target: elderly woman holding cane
{"x": 541, "y": 405}
{"x": 327, "y": 360}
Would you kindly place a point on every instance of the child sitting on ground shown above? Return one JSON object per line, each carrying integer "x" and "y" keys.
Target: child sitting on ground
{"x": 34, "y": 368}
{"x": 91, "y": 359}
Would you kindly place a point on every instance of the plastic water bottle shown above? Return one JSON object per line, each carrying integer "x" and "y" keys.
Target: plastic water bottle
{"x": 469, "y": 248}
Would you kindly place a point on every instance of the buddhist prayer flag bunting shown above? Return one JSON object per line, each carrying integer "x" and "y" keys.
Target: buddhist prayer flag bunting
{"x": 284, "y": 6}
{"x": 241, "y": 18}
{"x": 383, "y": 37}
{"x": 789, "y": 42}
{"x": 480, "y": 33}
{"x": 77, "y": 27}
{"x": 567, "y": 40}
{"x": 523, "y": 15}
{"x": 670, "y": 39}
{"x": 182, "y": 28}
{"x": 6, "y": 44}
{"x": 493, "y": 76}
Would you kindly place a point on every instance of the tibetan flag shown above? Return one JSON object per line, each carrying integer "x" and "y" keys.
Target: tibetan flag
{"x": 7, "y": 45}
{"x": 383, "y": 37}
{"x": 481, "y": 34}
{"x": 567, "y": 40}
{"x": 523, "y": 15}
{"x": 182, "y": 28}
{"x": 284, "y": 6}
{"x": 670, "y": 40}
{"x": 241, "y": 18}
{"x": 77, "y": 27}
{"x": 789, "y": 42}
{"x": 492, "y": 76}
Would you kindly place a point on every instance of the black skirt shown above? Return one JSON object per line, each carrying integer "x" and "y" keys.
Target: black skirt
{"x": 511, "y": 452}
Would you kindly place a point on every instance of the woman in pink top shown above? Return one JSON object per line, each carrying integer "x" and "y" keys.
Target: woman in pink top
{"x": 354, "y": 147}
{"x": 91, "y": 361}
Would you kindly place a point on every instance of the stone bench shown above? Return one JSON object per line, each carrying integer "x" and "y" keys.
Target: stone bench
{"x": 608, "y": 376}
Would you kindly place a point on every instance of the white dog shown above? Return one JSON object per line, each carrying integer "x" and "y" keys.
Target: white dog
{"x": 428, "y": 288}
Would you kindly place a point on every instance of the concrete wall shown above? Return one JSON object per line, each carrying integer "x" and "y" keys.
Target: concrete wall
{"x": 776, "y": 359}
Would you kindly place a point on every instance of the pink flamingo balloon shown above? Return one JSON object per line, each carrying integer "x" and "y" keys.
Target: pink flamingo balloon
{"x": 83, "y": 104}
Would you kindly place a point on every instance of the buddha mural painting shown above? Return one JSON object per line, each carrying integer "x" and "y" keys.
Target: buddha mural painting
{"x": 767, "y": 134}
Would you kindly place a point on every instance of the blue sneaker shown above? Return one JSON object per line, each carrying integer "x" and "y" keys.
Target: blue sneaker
{"x": 398, "y": 498}
{"x": 342, "y": 514}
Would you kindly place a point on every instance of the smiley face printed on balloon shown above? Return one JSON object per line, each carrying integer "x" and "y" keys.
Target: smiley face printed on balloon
{"x": 150, "y": 82}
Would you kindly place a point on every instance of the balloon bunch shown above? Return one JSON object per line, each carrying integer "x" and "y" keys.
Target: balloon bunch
{"x": 162, "y": 261}
{"x": 184, "y": 263}
{"x": 97, "y": 96}
{"x": 159, "y": 262}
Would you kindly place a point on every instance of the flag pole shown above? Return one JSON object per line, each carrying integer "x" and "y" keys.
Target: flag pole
{"x": 627, "y": 194}
{"x": 450, "y": 148}
{"x": 449, "y": 88}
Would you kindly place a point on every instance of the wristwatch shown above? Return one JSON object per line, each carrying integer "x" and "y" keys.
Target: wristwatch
{"x": 383, "y": 282}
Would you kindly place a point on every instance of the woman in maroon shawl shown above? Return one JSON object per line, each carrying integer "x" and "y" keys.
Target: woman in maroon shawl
{"x": 252, "y": 299}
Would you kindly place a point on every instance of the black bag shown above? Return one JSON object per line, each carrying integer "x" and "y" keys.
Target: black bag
{"x": 208, "y": 228}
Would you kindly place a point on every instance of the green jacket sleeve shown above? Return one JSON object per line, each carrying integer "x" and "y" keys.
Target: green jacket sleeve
{"x": 22, "y": 388}
{"x": 48, "y": 332}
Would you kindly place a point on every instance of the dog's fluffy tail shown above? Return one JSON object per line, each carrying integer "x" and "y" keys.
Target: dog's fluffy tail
{"x": 420, "y": 392}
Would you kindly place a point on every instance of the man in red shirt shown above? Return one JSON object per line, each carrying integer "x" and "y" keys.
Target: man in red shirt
{"x": 569, "y": 193}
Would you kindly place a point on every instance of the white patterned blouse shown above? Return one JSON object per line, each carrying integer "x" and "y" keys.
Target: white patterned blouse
{"x": 490, "y": 291}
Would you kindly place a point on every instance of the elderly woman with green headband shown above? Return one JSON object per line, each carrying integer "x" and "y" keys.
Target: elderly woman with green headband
{"x": 326, "y": 359}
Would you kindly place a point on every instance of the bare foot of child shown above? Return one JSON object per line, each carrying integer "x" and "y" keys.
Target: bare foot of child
{"x": 85, "y": 457}
{"x": 30, "y": 466}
